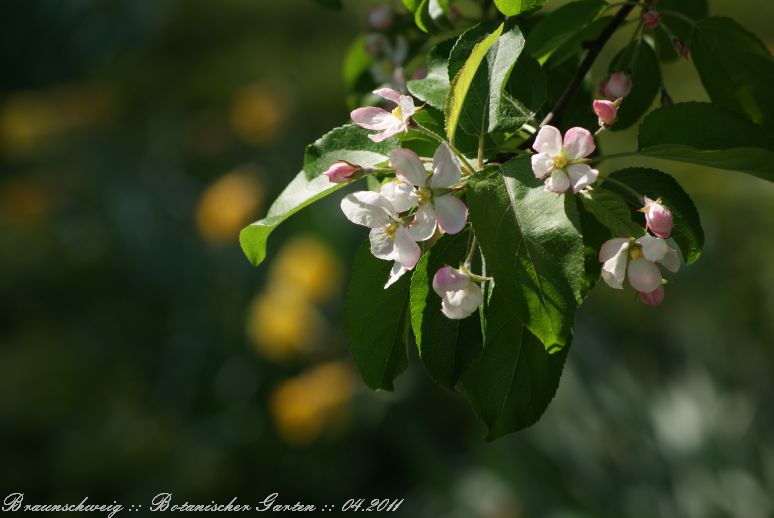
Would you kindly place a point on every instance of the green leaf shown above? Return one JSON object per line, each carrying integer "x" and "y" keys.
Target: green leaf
{"x": 559, "y": 26}
{"x": 329, "y": 4}
{"x": 687, "y": 231}
{"x": 524, "y": 95}
{"x": 460, "y": 85}
{"x": 533, "y": 247}
{"x": 611, "y": 210}
{"x": 736, "y": 68}
{"x": 670, "y": 15}
{"x": 434, "y": 88}
{"x": 640, "y": 61}
{"x": 594, "y": 235}
{"x": 573, "y": 46}
{"x": 421, "y": 16}
{"x": 412, "y": 5}
{"x": 514, "y": 379}
{"x": 349, "y": 143}
{"x": 706, "y": 134}
{"x": 446, "y": 347}
{"x": 356, "y": 62}
{"x": 377, "y": 320}
{"x": 514, "y": 7}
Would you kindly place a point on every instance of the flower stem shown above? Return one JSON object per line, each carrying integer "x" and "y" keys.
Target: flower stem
{"x": 625, "y": 187}
{"x": 433, "y": 135}
{"x": 471, "y": 250}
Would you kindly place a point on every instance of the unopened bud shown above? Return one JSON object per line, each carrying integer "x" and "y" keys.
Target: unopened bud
{"x": 381, "y": 18}
{"x": 607, "y": 111}
{"x": 658, "y": 218}
{"x": 681, "y": 48}
{"x": 341, "y": 172}
{"x": 618, "y": 85}
{"x": 651, "y": 18}
{"x": 654, "y": 298}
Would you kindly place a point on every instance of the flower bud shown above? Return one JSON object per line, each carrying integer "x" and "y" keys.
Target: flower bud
{"x": 381, "y": 18}
{"x": 341, "y": 172}
{"x": 618, "y": 85}
{"x": 658, "y": 218}
{"x": 681, "y": 48}
{"x": 460, "y": 296}
{"x": 654, "y": 298}
{"x": 449, "y": 279}
{"x": 651, "y": 18}
{"x": 607, "y": 111}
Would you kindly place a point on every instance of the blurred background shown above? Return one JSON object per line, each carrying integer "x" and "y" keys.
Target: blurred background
{"x": 140, "y": 352}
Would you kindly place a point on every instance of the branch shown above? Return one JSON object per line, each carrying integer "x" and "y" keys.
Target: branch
{"x": 594, "y": 48}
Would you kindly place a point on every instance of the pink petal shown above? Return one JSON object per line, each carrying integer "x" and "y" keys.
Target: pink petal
{"x": 408, "y": 166}
{"x": 446, "y": 168}
{"x": 542, "y": 164}
{"x": 389, "y": 94}
{"x": 606, "y": 111}
{"x": 372, "y": 118}
{"x": 548, "y": 141}
{"x": 389, "y": 132}
{"x": 449, "y": 279}
{"x": 451, "y": 212}
{"x": 578, "y": 143}
{"x": 643, "y": 275}
{"x": 407, "y": 107}
{"x": 654, "y": 298}
{"x": 612, "y": 247}
{"x": 423, "y": 226}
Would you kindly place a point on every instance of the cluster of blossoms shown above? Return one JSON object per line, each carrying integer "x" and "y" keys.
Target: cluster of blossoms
{"x": 420, "y": 202}
{"x": 636, "y": 259}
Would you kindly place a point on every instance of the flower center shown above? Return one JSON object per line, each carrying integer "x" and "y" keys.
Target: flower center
{"x": 397, "y": 113}
{"x": 391, "y": 229}
{"x": 560, "y": 161}
{"x": 424, "y": 195}
{"x": 635, "y": 252}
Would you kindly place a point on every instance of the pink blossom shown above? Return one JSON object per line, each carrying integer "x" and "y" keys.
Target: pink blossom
{"x": 561, "y": 163}
{"x": 617, "y": 86}
{"x": 388, "y": 123}
{"x": 341, "y": 171}
{"x": 658, "y": 218}
{"x": 654, "y": 298}
{"x": 636, "y": 260}
{"x": 460, "y": 295}
{"x": 651, "y": 18}
{"x": 607, "y": 111}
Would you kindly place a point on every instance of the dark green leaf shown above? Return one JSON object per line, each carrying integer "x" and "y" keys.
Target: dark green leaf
{"x": 573, "y": 46}
{"x": 349, "y": 143}
{"x": 377, "y": 320}
{"x": 524, "y": 95}
{"x": 446, "y": 347}
{"x": 736, "y": 68}
{"x": 706, "y": 134}
{"x": 611, "y": 210}
{"x": 515, "y": 378}
{"x": 687, "y": 231}
{"x": 356, "y": 62}
{"x": 434, "y": 88}
{"x": 678, "y": 25}
{"x": 594, "y": 235}
{"x": 559, "y": 26}
{"x": 639, "y": 60}
{"x": 329, "y": 4}
{"x": 514, "y": 7}
{"x": 533, "y": 247}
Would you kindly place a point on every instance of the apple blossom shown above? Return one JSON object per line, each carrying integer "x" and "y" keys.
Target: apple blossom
{"x": 381, "y": 17}
{"x": 657, "y": 218}
{"x": 341, "y": 171}
{"x": 390, "y": 240}
{"x": 460, "y": 295}
{"x": 651, "y": 18}
{"x": 607, "y": 111}
{"x": 388, "y": 123}
{"x": 437, "y": 207}
{"x": 654, "y": 298}
{"x": 563, "y": 162}
{"x": 636, "y": 259}
{"x": 617, "y": 86}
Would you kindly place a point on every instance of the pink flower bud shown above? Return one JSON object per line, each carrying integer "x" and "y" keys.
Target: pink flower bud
{"x": 651, "y": 18}
{"x": 654, "y": 298}
{"x": 381, "y": 18}
{"x": 449, "y": 279}
{"x": 419, "y": 73}
{"x": 618, "y": 85}
{"x": 607, "y": 111}
{"x": 681, "y": 48}
{"x": 658, "y": 218}
{"x": 341, "y": 172}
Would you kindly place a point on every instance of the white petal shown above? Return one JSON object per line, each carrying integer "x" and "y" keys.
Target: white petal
{"x": 399, "y": 194}
{"x": 373, "y": 118}
{"x": 446, "y": 168}
{"x": 558, "y": 181}
{"x": 406, "y": 249}
{"x": 548, "y": 141}
{"x": 453, "y": 312}
{"x": 423, "y": 226}
{"x": 578, "y": 143}
{"x": 451, "y": 212}
{"x": 581, "y": 176}
{"x": 653, "y": 248}
{"x": 671, "y": 260}
{"x": 366, "y": 208}
{"x": 542, "y": 164}
{"x": 389, "y": 94}
{"x": 382, "y": 245}
{"x": 389, "y": 132}
{"x": 614, "y": 267}
{"x": 473, "y": 297}
{"x": 407, "y": 107}
{"x": 643, "y": 275}
{"x": 408, "y": 166}
{"x": 396, "y": 272}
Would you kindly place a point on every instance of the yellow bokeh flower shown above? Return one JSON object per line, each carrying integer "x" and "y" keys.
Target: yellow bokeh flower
{"x": 309, "y": 265}
{"x": 315, "y": 401}
{"x": 228, "y": 204}
{"x": 258, "y": 114}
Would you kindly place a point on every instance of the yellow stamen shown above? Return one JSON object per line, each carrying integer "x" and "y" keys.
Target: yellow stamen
{"x": 424, "y": 195}
{"x": 398, "y": 113}
{"x": 391, "y": 229}
{"x": 635, "y": 252}
{"x": 560, "y": 161}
